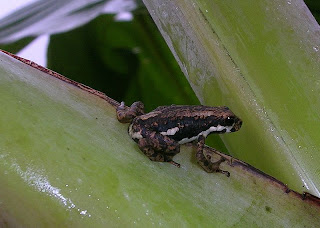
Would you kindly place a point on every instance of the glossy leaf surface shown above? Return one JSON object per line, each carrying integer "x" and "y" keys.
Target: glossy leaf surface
{"x": 261, "y": 58}
{"x": 66, "y": 161}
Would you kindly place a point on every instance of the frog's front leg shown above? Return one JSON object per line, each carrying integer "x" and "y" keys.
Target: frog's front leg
{"x": 126, "y": 114}
{"x": 159, "y": 148}
{"x": 205, "y": 160}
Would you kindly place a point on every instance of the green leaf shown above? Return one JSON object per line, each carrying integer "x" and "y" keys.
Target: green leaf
{"x": 17, "y": 46}
{"x": 65, "y": 160}
{"x": 127, "y": 60}
{"x": 261, "y": 58}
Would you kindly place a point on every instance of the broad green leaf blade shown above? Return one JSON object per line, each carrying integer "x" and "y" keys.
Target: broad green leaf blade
{"x": 51, "y": 16}
{"x": 260, "y": 58}
{"x": 66, "y": 161}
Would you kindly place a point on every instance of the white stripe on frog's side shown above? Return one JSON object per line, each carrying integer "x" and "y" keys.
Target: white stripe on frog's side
{"x": 205, "y": 133}
{"x": 171, "y": 131}
{"x": 134, "y": 135}
{"x": 137, "y": 135}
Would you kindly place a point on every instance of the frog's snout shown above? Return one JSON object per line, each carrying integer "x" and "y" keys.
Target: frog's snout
{"x": 237, "y": 124}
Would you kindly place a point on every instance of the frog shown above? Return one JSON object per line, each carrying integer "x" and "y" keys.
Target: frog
{"x": 160, "y": 133}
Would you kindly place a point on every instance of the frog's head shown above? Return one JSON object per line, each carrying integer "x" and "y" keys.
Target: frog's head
{"x": 227, "y": 120}
{"x": 235, "y": 122}
{"x": 230, "y": 120}
{"x": 220, "y": 120}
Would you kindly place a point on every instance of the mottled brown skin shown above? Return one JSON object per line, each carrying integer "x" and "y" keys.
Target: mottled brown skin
{"x": 205, "y": 160}
{"x": 127, "y": 114}
{"x": 159, "y": 148}
{"x": 160, "y": 132}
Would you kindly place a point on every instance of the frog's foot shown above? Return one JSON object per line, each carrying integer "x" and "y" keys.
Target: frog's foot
{"x": 205, "y": 160}
{"x": 215, "y": 167}
{"x": 174, "y": 163}
{"x": 126, "y": 114}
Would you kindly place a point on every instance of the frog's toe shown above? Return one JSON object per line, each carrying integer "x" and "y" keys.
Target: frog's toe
{"x": 154, "y": 156}
{"x": 223, "y": 172}
{"x": 174, "y": 163}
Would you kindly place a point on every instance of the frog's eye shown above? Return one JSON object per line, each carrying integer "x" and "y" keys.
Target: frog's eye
{"x": 229, "y": 120}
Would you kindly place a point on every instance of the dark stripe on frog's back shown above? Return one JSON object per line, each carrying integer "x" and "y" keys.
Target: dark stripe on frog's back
{"x": 189, "y": 126}
{"x": 191, "y": 110}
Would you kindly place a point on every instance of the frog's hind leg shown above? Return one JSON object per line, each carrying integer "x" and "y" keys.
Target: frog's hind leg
{"x": 158, "y": 156}
{"x": 159, "y": 148}
{"x": 126, "y": 114}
